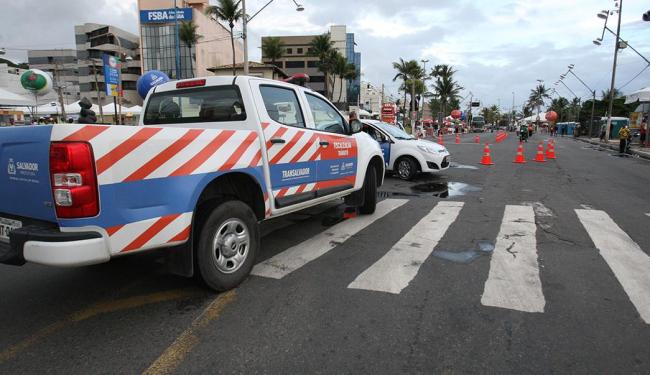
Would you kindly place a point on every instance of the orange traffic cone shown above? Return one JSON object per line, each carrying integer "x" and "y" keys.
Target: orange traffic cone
{"x": 550, "y": 150}
{"x": 540, "y": 153}
{"x": 457, "y": 139}
{"x": 477, "y": 139}
{"x": 487, "y": 158}
{"x": 519, "y": 159}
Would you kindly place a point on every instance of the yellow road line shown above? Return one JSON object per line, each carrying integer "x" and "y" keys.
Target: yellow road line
{"x": 174, "y": 355}
{"x": 94, "y": 310}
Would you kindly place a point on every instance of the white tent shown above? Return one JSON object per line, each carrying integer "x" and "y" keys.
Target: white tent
{"x": 75, "y": 108}
{"x": 135, "y": 110}
{"x": 9, "y": 99}
{"x": 533, "y": 118}
{"x": 642, "y": 95}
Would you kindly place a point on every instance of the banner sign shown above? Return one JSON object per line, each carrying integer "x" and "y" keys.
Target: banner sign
{"x": 165, "y": 15}
{"x": 112, "y": 68}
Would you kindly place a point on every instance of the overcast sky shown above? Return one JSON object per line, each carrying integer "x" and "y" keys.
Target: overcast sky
{"x": 497, "y": 46}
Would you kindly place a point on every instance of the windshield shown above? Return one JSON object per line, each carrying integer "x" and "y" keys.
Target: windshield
{"x": 394, "y": 131}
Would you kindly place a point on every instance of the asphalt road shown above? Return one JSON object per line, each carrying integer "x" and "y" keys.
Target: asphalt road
{"x": 545, "y": 300}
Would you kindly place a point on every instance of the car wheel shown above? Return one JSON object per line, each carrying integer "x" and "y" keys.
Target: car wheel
{"x": 228, "y": 244}
{"x": 406, "y": 168}
{"x": 369, "y": 192}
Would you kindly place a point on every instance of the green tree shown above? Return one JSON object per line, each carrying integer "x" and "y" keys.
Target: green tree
{"x": 408, "y": 71}
{"x": 230, "y": 12}
{"x": 537, "y": 96}
{"x": 561, "y": 107}
{"x": 322, "y": 47}
{"x": 188, "y": 35}
{"x": 273, "y": 49}
{"x": 447, "y": 89}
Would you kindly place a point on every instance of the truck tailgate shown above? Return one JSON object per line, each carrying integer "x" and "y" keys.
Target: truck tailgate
{"x": 24, "y": 172}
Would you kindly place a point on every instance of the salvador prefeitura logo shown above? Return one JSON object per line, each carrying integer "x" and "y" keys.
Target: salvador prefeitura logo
{"x": 11, "y": 167}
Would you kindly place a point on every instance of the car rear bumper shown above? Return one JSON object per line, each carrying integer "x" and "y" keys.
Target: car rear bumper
{"x": 49, "y": 246}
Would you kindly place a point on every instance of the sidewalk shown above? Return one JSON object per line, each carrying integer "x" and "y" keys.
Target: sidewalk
{"x": 635, "y": 149}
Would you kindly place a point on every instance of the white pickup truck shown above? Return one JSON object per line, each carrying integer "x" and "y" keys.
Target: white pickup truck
{"x": 210, "y": 159}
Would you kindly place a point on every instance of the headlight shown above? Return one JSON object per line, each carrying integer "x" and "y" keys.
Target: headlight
{"x": 442, "y": 151}
{"x": 430, "y": 150}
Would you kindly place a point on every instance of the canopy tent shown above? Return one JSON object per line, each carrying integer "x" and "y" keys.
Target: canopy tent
{"x": 363, "y": 114}
{"x": 75, "y": 108}
{"x": 9, "y": 99}
{"x": 533, "y": 118}
{"x": 642, "y": 95}
{"x": 136, "y": 110}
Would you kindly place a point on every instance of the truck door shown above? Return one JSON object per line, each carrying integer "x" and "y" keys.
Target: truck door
{"x": 292, "y": 149}
{"x": 337, "y": 168}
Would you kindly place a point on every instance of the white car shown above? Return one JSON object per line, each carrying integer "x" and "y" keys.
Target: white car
{"x": 404, "y": 154}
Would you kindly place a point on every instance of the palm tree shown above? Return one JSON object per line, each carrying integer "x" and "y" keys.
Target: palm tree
{"x": 408, "y": 71}
{"x": 402, "y": 68}
{"x": 272, "y": 48}
{"x": 446, "y": 87}
{"x": 347, "y": 72}
{"x": 537, "y": 96}
{"x": 187, "y": 33}
{"x": 322, "y": 47}
{"x": 230, "y": 12}
{"x": 560, "y": 105}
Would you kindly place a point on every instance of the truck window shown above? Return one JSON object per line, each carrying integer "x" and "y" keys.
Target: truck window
{"x": 326, "y": 117}
{"x": 203, "y": 104}
{"x": 282, "y": 105}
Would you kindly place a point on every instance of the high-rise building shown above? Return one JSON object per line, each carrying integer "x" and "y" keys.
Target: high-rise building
{"x": 162, "y": 47}
{"x": 93, "y": 40}
{"x": 62, "y": 65}
{"x": 297, "y": 59}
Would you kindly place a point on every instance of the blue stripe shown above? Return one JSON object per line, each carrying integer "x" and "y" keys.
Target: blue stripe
{"x": 134, "y": 201}
{"x": 291, "y": 174}
{"x": 337, "y": 168}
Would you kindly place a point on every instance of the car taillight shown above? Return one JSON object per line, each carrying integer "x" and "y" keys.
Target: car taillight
{"x": 74, "y": 184}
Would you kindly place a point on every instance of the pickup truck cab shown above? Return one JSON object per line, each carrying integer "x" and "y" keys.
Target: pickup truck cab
{"x": 210, "y": 159}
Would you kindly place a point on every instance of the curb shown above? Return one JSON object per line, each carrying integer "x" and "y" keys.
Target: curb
{"x": 641, "y": 154}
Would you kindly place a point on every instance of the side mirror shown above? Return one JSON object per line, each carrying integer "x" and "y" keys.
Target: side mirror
{"x": 356, "y": 126}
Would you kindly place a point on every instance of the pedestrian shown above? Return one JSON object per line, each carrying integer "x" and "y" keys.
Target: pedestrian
{"x": 602, "y": 133}
{"x": 642, "y": 133}
{"x": 353, "y": 116}
{"x": 624, "y": 136}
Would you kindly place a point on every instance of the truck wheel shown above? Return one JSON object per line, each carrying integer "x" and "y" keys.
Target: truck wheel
{"x": 369, "y": 192}
{"x": 228, "y": 244}
{"x": 406, "y": 168}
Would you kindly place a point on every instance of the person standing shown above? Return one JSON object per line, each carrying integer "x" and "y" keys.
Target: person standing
{"x": 624, "y": 136}
{"x": 642, "y": 133}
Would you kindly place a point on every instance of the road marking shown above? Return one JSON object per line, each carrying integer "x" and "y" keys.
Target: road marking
{"x": 630, "y": 264}
{"x": 395, "y": 270}
{"x": 92, "y": 311}
{"x": 513, "y": 282}
{"x": 174, "y": 355}
{"x": 648, "y": 215}
{"x": 297, "y": 256}
{"x": 586, "y": 207}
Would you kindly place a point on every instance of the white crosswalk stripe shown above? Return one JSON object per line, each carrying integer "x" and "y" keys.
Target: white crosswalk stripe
{"x": 395, "y": 270}
{"x": 297, "y": 256}
{"x": 628, "y": 262}
{"x": 513, "y": 281}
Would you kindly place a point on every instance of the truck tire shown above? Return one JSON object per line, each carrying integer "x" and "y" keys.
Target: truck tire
{"x": 228, "y": 244}
{"x": 406, "y": 168}
{"x": 369, "y": 192}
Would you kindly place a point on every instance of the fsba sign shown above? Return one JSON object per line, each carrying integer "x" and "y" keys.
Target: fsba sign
{"x": 165, "y": 15}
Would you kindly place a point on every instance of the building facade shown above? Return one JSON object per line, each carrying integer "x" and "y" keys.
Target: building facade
{"x": 371, "y": 98}
{"x": 297, "y": 59}
{"x": 62, "y": 66}
{"x": 93, "y": 40}
{"x": 162, "y": 48}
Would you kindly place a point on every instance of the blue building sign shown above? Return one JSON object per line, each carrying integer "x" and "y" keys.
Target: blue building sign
{"x": 112, "y": 67}
{"x": 165, "y": 15}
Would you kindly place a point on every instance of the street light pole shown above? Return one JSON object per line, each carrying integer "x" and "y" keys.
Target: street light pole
{"x": 245, "y": 35}
{"x": 612, "y": 87}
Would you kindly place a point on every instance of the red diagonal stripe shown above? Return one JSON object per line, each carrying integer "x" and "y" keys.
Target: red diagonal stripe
{"x": 125, "y": 148}
{"x": 291, "y": 144}
{"x": 148, "y": 234}
{"x": 111, "y": 231}
{"x": 234, "y": 158}
{"x": 277, "y": 134}
{"x": 301, "y": 188}
{"x": 256, "y": 159}
{"x": 282, "y": 192}
{"x": 165, "y": 155}
{"x": 203, "y": 155}
{"x": 86, "y": 133}
{"x": 265, "y": 125}
{"x": 316, "y": 154}
{"x": 314, "y": 138}
{"x": 182, "y": 236}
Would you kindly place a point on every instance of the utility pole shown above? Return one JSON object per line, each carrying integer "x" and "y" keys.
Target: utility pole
{"x": 512, "y": 111}
{"x": 178, "y": 43}
{"x": 59, "y": 89}
{"x": 245, "y": 36}
{"x": 612, "y": 87}
{"x": 99, "y": 97}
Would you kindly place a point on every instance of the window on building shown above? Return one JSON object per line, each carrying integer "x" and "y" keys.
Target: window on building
{"x": 312, "y": 64}
{"x": 326, "y": 117}
{"x": 310, "y": 50}
{"x": 289, "y": 51}
{"x": 282, "y": 105}
{"x": 299, "y": 51}
{"x": 295, "y": 64}
{"x": 204, "y": 104}
{"x": 316, "y": 78}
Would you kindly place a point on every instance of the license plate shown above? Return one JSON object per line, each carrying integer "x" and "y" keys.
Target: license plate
{"x": 6, "y": 226}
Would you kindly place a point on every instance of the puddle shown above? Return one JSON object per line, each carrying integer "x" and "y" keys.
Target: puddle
{"x": 622, "y": 155}
{"x": 445, "y": 189}
{"x": 465, "y": 257}
{"x": 462, "y": 166}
